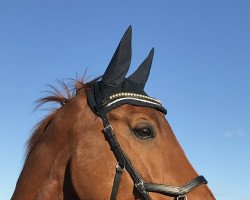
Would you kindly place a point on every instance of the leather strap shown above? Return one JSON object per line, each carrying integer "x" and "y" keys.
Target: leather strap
{"x": 120, "y": 157}
{"x": 110, "y": 137}
{"x": 173, "y": 190}
{"x": 117, "y": 181}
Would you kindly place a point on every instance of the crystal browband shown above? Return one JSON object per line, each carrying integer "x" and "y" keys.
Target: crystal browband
{"x": 133, "y": 95}
{"x": 121, "y": 98}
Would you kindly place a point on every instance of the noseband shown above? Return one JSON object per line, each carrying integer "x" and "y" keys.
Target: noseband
{"x": 123, "y": 163}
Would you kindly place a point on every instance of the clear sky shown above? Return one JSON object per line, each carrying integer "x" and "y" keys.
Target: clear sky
{"x": 201, "y": 72}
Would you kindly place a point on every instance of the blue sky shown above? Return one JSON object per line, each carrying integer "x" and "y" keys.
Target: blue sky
{"x": 201, "y": 72}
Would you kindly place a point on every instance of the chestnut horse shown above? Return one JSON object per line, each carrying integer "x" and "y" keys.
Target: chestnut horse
{"x": 108, "y": 140}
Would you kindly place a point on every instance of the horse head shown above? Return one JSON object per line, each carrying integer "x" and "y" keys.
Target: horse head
{"x": 109, "y": 141}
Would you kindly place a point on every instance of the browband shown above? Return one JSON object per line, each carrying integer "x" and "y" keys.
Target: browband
{"x": 118, "y": 99}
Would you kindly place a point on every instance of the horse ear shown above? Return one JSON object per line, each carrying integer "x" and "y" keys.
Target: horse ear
{"x": 120, "y": 62}
{"x": 141, "y": 74}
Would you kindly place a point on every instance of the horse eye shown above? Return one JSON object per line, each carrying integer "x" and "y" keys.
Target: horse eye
{"x": 143, "y": 132}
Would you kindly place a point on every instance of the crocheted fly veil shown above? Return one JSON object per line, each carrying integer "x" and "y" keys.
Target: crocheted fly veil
{"x": 114, "y": 89}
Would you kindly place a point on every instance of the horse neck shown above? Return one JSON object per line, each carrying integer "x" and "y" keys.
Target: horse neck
{"x": 44, "y": 170}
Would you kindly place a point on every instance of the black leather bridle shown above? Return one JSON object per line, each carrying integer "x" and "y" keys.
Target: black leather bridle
{"x": 123, "y": 163}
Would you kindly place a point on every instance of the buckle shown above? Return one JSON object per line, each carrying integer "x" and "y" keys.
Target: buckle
{"x": 119, "y": 168}
{"x": 140, "y": 187}
{"x": 107, "y": 127}
{"x": 181, "y": 197}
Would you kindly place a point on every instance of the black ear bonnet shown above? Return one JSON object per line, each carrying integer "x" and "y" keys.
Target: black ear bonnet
{"x": 114, "y": 89}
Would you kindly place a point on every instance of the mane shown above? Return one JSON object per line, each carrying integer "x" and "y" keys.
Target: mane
{"x": 56, "y": 96}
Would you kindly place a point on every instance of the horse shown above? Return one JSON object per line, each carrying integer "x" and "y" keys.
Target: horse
{"x": 108, "y": 140}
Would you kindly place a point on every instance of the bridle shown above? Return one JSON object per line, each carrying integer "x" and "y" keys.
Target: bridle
{"x": 123, "y": 162}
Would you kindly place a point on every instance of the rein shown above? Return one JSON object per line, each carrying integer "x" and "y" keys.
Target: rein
{"x": 123, "y": 163}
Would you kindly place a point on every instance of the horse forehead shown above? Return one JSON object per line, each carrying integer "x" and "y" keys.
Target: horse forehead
{"x": 134, "y": 112}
